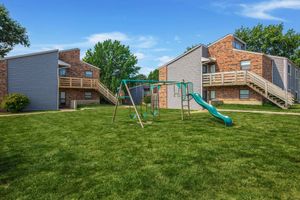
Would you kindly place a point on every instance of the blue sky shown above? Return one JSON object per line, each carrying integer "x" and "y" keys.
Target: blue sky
{"x": 155, "y": 30}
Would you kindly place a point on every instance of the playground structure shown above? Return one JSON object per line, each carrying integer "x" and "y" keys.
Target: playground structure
{"x": 182, "y": 89}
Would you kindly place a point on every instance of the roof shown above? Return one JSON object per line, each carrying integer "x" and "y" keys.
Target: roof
{"x": 62, "y": 63}
{"x": 69, "y": 50}
{"x": 90, "y": 65}
{"x": 182, "y": 55}
{"x": 240, "y": 40}
{"x": 266, "y": 55}
{"x": 29, "y": 54}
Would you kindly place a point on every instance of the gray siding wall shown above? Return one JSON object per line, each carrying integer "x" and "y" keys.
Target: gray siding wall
{"x": 36, "y": 77}
{"x": 281, "y": 77}
{"x": 188, "y": 68}
{"x": 293, "y": 80}
{"x": 278, "y": 71}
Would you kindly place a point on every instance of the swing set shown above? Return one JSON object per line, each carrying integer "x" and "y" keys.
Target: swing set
{"x": 149, "y": 104}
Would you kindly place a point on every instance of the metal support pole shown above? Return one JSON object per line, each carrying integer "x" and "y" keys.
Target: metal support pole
{"x": 182, "y": 111}
{"x": 188, "y": 98}
{"x": 136, "y": 112}
{"x": 117, "y": 103}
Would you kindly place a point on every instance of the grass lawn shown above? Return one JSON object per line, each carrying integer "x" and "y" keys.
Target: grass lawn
{"x": 82, "y": 155}
{"x": 265, "y": 107}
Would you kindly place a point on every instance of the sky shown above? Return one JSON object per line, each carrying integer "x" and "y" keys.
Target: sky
{"x": 155, "y": 30}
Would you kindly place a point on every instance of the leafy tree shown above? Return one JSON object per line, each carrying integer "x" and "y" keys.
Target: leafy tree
{"x": 189, "y": 48}
{"x": 11, "y": 33}
{"x": 140, "y": 77}
{"x": 153, "y": 75}
{"x": 272, "y": 40}
{"x": 115, "y": 61}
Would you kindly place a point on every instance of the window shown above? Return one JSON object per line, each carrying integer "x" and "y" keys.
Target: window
{"x": 62, "y": 72}
{"x": 238, "y": 45}
{"x": 88, "y": 74}
{"x": 245, "y": 65}
{"x": 204, "y": 69}
{"x": 212, "y": 94}
{"x": 289, "y": 69}
{"x": 296, "y": 96}
{"x": 62, "y": 98}
{"x": 87, "y": 95}
{"x": 213, "y": 69}
{"x": 244, "y": 94}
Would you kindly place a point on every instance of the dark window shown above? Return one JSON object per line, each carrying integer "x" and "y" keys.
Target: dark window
{"x": 88, "y": 74}
{"x": 87, "y": 95}
{"x": 62, "y": 72}
{"x": 204, "y": 69}
{"x": 289, "y": 69}
{"x": 244, "y": 94}
{"x": 245, "y": 65}
{"x": 238, "y": 45}
{"x": 62, "y": 98}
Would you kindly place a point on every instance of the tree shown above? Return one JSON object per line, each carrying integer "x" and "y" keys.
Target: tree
{"x": 154, "y": 75}
{"x": 115, "y": 61}
{"x": 272, "y": 40}
{"x": 189, "y": 48}
{"x": 140, "y": 77}
{"x": 11, "y": 33}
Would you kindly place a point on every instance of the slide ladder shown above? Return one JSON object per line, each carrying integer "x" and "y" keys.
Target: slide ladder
{"x": 211, "y": 109}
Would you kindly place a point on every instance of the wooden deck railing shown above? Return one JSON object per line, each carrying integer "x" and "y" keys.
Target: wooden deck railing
{"x": 73, "y": 82}
{"x": 87, "y": 83}
{"x": 247, "y": 78}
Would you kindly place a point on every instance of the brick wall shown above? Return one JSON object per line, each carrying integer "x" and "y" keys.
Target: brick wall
{"x": 229, "y": 59}
{"x": 231, "y": 95}
{"x": 78, "y": 94}
{"x": 78, "y": 67}
{"x": 3, "y": 79}
{"x": 163, "y": 90}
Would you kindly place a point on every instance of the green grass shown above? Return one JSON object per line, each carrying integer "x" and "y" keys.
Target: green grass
{"x": 82, "y": 155}
{"x": 265, "y": 107}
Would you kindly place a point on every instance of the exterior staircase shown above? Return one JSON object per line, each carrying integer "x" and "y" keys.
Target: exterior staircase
{"x": 267, "y": 89}
{"x": 106, "y": 93}
{"x": 87, "y": 83}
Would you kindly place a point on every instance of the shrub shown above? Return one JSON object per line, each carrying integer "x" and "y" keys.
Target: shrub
{"x": 147, "y": 99}
{"x": 15, "y": 102}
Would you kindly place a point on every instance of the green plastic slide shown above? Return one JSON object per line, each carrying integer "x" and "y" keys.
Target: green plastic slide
{"x": 211, "y": 109}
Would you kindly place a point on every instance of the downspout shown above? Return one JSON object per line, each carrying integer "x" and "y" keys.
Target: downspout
{"x": 285, "y": 82}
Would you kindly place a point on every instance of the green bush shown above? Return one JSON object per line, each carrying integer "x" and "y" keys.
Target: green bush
{"x": 147, "y": 99}
{"x": 15, "y": 102}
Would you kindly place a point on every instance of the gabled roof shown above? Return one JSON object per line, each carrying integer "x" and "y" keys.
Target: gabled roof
{"x": 235, "y": 37}
{"x": 182, "y": 55}
{"x": 29, "y": 54}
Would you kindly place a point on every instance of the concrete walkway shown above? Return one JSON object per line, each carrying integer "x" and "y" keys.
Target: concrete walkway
{"x": 252, "y": 111}
{"x": 261, "y": 111}
{"x": 35, "y": 113}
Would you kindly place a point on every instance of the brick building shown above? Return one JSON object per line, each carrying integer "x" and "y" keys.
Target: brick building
{"x": 225, "y": 71}
{"x": 52, "y": 79}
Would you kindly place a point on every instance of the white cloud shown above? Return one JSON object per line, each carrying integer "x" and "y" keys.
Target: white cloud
{"x": 164, "y": 59}
{"x": 145, "y": 42}
{"x": 100, "y": 37}
{"x": 139, "y": 55}
{"x": 262, "y": 10}
{"x": 177, "y": 39}
{"x": 160, "y": 49}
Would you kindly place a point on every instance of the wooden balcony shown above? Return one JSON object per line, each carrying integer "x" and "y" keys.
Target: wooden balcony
{"x": 73, "y": 82}
{"x": 225, "y": 78}
{"x": 277, "y": 95}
